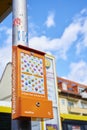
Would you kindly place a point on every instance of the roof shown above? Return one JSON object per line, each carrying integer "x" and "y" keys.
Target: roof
{"x": 72, "y": 88}
{"x": 5, "y": 8}
{"x": 60, "y": 79}
{"x": 9, "y": 63}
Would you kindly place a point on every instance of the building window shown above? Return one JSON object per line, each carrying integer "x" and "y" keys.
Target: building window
{"x": 70, "y": 104}
{"x": 85, "y": 127}
{"x": 70, "y": 89}
{"x": 62, "y": 101}
{"x": 83, "y": 105}
{"x": 80, "y": 89}
{"x": 74, "y": 127}
{"x": 64, "y": 86}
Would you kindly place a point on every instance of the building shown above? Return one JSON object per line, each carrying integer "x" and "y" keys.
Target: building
{"x": 73, "y": 104}
{"x": 5, "y": 98}
{"x": 5, "y": 85}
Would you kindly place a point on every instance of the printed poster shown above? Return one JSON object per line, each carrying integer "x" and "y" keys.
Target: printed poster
{"x": 51, "y": 127}
{"x": 32, "y": 79}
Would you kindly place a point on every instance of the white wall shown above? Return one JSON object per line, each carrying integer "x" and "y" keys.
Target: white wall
{"x": 63, "y": 105}
{"x": 5, "y": 83}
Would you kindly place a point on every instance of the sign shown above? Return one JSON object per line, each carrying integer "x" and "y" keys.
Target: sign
{"x": 32, "y": 75}
{"x": 29, "y": 87}
{"x": 76, "y": 128}
{"x": 51, "y": 127}
{"x": 50, "y": 75}
{"x": 53, "y": 124}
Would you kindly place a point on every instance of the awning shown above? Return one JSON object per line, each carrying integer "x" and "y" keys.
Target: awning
{"x": 5, "y": 8}
{"x": 73, "y": 117}
{"x": 5, "y": 109}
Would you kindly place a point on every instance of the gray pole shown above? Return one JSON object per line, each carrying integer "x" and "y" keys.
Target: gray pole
{"x": 20, "y": 22}
{"x": 20, "y": 37}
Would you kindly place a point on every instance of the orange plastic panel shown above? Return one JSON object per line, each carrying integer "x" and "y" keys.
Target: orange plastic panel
{"x": 35, "y": 108}
{"x": 29, "y": 83}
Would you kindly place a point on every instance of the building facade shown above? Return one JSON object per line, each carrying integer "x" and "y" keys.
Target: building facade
{"x": 6, "y": 100}
{"x": 73, "y": 104}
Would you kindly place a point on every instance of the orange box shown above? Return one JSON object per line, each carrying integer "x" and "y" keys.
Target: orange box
{"x": 35, "y": 108}
{"x": 29, "y": 87}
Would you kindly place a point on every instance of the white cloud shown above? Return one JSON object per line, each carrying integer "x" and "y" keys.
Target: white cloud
{"x": 74, "y": 34}
{"x": 9, "y": 36}
{"x": 7, "y": 32}
{"x": 50, "y": 20}
{"x": 33, "y": 28}
{"x": 57, "y": 45}
{"x": 79, "y": 47}
{"x": 3, "y": 28}
{"x": 83, "y": 11}
{"x": 5, "y": 57}
{"x": 82, "y": 39}
{"x": 6, "y": 50}
{"x": 84, "y": 31}
{"x": 78, "y": 72}
{"x": 43, "y": 43}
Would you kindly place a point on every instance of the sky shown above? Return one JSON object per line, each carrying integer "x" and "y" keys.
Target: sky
{"x": 57, "y": 27}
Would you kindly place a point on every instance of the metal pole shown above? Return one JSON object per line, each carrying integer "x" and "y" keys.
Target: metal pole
{"x": 20, "y": 37}
{"x": 20, "y": 22}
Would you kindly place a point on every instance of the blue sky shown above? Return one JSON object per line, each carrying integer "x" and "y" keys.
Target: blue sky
{"x": 58, "y": 27}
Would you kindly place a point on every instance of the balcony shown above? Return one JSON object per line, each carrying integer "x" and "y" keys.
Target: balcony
{"x": 77, "y": 110}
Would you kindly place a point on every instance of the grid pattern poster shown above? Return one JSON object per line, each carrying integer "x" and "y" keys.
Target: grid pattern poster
{"x": 32, "y": 78}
